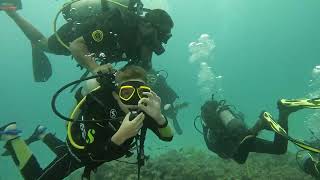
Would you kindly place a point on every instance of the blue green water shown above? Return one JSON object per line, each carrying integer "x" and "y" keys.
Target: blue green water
{"x": 265, "y": 50}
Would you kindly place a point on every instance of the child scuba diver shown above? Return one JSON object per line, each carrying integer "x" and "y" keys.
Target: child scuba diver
{"x": 108, "y": 122}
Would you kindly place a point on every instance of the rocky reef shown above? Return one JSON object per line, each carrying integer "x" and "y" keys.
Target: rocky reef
{"x": 193, "y": 164}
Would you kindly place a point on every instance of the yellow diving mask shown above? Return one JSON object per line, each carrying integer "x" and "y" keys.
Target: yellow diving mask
{"x": 132, "y": 91}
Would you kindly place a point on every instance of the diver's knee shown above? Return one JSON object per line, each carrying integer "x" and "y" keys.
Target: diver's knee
{"x": 43, "y": 44}
{"x": 282, "y": 150}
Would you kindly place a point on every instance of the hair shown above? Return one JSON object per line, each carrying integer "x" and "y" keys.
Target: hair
{"x": 159, "y": 17}
{"x": 131, "y": 72}
{"x": 209, "y": 113}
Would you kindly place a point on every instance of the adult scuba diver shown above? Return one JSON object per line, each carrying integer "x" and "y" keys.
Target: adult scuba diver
{"x": 99, "y": 30}
{"x": 226, "y": 134}
{"x": 309, "y": 162}
{"x": 170, "y": 108}
{"x": 108, "y": 122}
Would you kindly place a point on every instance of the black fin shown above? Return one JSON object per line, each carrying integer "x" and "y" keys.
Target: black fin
{"x": 42, "y": 70}
{"x": 177, "y": 126}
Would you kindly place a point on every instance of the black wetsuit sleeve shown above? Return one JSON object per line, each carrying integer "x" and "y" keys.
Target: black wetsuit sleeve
{"x": 162, "y": 132}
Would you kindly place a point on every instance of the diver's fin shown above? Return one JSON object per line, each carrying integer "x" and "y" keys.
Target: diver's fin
{"x": 176, "y": 126}
{"x": 301, "y": 103}
{"x": 28, "y": 142}
{"x": 40, "y": 130}
{"x": 9, "y": 131}
{"x": 181, "y": 106}
{"x": 274, "y": 126}
{"x": 278, "y": 129}
{"x": 3, "y": 130}
{"x": 42, "y": 70}
{"x": 6, "y": 153}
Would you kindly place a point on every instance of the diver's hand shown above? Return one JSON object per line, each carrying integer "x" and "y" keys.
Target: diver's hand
{"x": 152, "y": 106}
{"x": 106, "y": 68}
{"x": 128, "y": 128}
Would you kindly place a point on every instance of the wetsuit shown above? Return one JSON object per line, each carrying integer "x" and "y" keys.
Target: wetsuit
{"x": 88, "y": 144}
{"x": 236, "y": 141}
{"x": 311, "y": 167}
{"x": 310, "y": 162}
{"x": 118, "y": 34}
{"x": 168, "y": 96}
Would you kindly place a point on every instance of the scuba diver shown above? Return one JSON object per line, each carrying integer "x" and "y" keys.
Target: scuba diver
{"x": 308, "y": 161}
{"x": 168, "y": 96}
{"x": 226, "y": 134}
{"x": 98, "y": 32}
{"x": 107, "y": 123}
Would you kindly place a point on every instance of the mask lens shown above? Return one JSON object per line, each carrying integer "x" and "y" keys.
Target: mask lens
{"x": 126, "y": 92}
{"x": 164, "y": 36}
{"x": 141, "y": 90}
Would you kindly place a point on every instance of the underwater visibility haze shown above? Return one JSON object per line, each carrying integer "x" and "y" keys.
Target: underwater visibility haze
{"x": 249, "y": 52}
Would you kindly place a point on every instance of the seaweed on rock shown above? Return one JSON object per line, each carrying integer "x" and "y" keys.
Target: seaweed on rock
{"x": 193, "y": 164}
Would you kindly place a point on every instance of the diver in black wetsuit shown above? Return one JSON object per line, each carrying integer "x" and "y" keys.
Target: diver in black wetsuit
{"x": 110, "y": 31}
{"x": 310, "y": 162}
{"x": 116, "y": 117}
{"x": 168, "y": 97}
{"x": 226, "y": 134}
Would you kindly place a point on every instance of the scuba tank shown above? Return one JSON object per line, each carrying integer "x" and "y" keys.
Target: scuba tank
{"x": 80, "y": 10}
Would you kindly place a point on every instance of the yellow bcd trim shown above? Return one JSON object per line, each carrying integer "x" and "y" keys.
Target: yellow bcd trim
{"x": 74, "y": 112}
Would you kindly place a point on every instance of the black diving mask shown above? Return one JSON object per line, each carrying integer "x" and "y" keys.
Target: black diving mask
{"x": 163, "y": 36}
{"x": 131, "y": 92}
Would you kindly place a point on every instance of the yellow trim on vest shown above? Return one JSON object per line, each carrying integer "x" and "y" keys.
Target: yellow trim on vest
{"x": 74, "y": 112}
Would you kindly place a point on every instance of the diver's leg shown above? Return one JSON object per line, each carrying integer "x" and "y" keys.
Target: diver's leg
{"x": 20, "y": 152}
{"x": 280, "y": 142}
{"x": 253, "y": 144}
{"x": 60, "y": 168}
{"x": 55, "y": 145}
{"x": 277, "y": 146}
{"x": 29, "y": 167}
{"x": 24, "y": 158}
{"x": 36, "y": 37}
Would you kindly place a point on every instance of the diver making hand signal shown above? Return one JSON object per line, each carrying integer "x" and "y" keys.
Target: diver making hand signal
{"x": 129, "y": 128}
{"x": 107, "y": 124}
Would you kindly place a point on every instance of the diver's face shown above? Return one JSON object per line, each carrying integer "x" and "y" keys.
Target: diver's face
{"x": 164, "y": 33}
{"x": 129, "y": 93}
{"x": 210, "y": 121}
{"x": 208, "y": 114}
